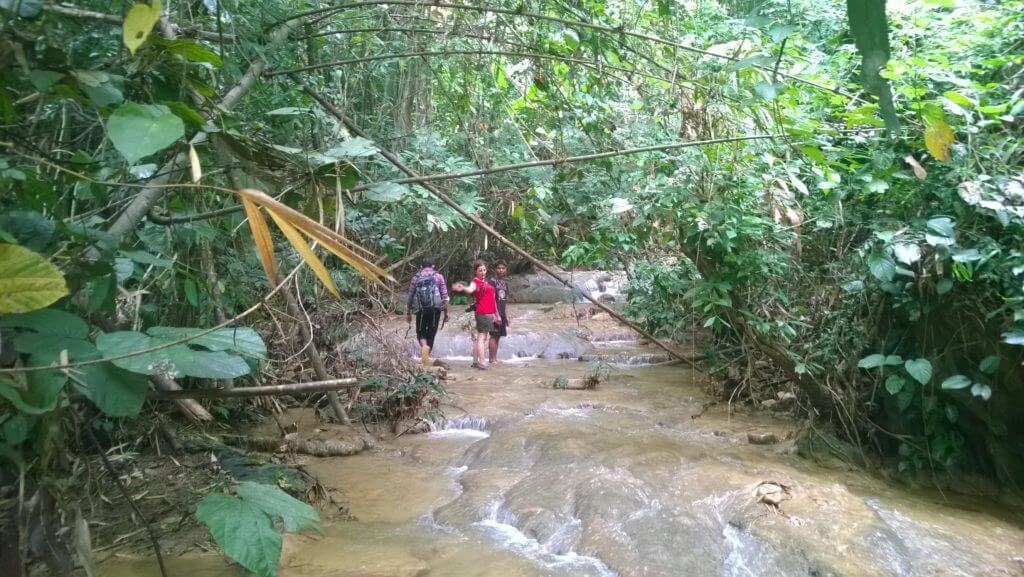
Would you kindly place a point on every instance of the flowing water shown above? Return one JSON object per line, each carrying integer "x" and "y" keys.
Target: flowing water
{"x": 525, "y": 480}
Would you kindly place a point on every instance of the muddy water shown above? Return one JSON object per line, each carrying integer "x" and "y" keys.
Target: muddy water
{"x": 525, "y": 480}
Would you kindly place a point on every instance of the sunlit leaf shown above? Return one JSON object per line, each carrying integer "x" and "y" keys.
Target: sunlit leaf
{"x": 261, "y": 237}
{"x": 299, "y": 243}
{"x": 938, "y": 138}
{"x": 27, "y": 280}
{"x": 139, "y": 22}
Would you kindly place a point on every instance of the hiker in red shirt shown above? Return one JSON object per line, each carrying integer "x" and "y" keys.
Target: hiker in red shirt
{"x": 486, "y": 312}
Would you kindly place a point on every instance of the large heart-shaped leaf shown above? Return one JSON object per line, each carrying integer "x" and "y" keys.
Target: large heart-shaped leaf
{"x": 117, "y": 392}
{"x": 920, "y": 369}
{"x": 138, "y": 130}
{"x": 387, "y": 192}
{"x": 174, "y": 361}
{"x": 49, "y": 321}
{"x": 242, "y": 340}
{"x": 245, "y": 532}
{"x": 270, "y": 499}
{"x": 882, "y": 266}
{"x": 27, "y": 280}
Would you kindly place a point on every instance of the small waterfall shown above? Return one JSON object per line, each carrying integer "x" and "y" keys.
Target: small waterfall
{"x": 464, "y": 426}
{"x": 501, "y": 524}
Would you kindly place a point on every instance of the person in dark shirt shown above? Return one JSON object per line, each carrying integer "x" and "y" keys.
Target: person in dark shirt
{"x": 428, "y": 299}
{"x": 501, "y": 321}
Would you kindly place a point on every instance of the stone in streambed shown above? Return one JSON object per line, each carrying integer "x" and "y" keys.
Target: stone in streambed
{"x": 762, "y": 438}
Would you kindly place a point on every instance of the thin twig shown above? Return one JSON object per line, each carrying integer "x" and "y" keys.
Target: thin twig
{"x": 124, "y": 492}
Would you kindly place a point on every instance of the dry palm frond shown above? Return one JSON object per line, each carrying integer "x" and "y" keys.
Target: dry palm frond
{"x": 294, "y": 225}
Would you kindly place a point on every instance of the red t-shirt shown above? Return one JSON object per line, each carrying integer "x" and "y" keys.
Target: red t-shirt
{"x": 484, "y": 295}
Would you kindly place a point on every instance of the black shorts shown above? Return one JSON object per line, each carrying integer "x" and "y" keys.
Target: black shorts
{"x": 499, "y": 330}
{"x": 427, "y": 322}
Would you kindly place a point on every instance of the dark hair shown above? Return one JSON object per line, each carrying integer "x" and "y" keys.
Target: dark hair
{"x": 427, "y": 261}
{"x": 498, "y": 263}
{"x": 477, "y": 264}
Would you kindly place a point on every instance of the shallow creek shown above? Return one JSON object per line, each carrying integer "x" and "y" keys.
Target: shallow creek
{"x": 525, "y": 480}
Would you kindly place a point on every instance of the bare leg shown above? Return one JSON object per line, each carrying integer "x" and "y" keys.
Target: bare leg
{"x": 494, "y": 348}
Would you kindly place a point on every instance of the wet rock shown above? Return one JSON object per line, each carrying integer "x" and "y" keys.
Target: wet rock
{"x": 769, "y": 404}
{"x": 786, "y": 401}
{"x": 762, "y": 438}
{"x": 772, "y": 493}
{"x": 320, "y": 445}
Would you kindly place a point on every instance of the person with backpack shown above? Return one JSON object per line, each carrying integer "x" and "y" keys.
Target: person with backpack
{"x": 501, "y": 323}
{"x": 486, "y": 312}
{"x": 428, "y": 298}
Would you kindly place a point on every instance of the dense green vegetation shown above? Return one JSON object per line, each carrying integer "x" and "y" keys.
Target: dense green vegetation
{"x": 866, "y": 238}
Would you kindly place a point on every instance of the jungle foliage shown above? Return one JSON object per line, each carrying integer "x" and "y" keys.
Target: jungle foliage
{"x": 868, "y": 242}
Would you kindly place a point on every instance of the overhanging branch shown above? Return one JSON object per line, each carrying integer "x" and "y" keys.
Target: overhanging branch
{"x": 323, "y": 12}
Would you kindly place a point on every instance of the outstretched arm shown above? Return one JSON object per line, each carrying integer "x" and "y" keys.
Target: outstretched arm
{"x": 464, "y": 288}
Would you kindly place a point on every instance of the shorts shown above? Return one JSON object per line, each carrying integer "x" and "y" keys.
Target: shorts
{"x": 484, "y": 323}
{"x": 499, "y": 330}
{"x": 427, "y": 322}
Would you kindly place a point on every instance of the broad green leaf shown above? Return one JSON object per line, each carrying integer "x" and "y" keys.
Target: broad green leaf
{"x": 894, "y": 384}
{"x": 387, "y": 192}
{"x": 49, "y": 321}
{"x": 28, "y": 281}
{"x": 139, "y": 23}
{"x": 353, "y": 148}
{"x": 905, "y": 398}
{"x": 143, "y": 257}
{"x": 877, "y": 360}
{"x": 16, "y": 428}
{"x": 940, "y": 231}
{"x": 882, "y": 266}
{"x": 906, "y": 253}
{"x": 41, "y": 343}
{"x": 938, "y": 138}
{"x": 117, "y": 392}
{"x": 956, "y": 382}
{"x": 920, "y": 369}
{"x": 44, "y": 79}
{"x": 193, "y": 52}
{"x": 943, "y": 286}
{"x": 620, "y": 205}
{"x": 989, "y": 364}
{"x": 242, "y": 340}
{"x": 41, "y": 395}
{"x": 25, "y": 8}
{"x": 32, "y": 230}
{"x": 1014, "y": 337}
{"x": 245, "y": 532}
{"x": 138, "y": 130}
{"x": 780, "y": 32}
{"x": 981, "y": 390}
{"x": 174, "y": 361}
{"x": 273, "y": 501}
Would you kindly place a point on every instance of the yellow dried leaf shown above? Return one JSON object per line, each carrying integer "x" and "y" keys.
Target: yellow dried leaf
{"x": 938, "y": 137}
{"x": 340, "y": 246}
{"x": 139, "y": 23}
{"x": 307, "y": 254}
{"x": 261, "y": 235}
{"x": 193, "y": 160}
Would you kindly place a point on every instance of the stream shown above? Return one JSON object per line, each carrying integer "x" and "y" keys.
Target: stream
{"x": 526, "y": 480}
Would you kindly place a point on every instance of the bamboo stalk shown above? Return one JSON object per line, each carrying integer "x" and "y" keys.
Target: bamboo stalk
{"x": 267, "y": 391}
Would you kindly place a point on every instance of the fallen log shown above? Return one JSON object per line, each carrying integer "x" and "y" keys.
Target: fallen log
{"x": 272, "y": 390}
